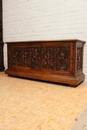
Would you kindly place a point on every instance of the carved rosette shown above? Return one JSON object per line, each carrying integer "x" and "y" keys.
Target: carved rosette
{"x": 51, "y": 58}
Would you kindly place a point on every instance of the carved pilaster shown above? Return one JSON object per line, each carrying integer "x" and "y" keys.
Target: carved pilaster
{"x": 79, "y": 58}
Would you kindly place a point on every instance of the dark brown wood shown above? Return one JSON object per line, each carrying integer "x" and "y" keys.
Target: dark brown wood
{"x": 1, "y": 40}
{"x": 56, "y": 61}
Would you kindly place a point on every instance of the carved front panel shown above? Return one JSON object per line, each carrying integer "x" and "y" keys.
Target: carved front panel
{"x": 62, "y": 55}
{"x": 20, "y": 57}
{"x": 48, "y": 58}
{"x": 51, "y": 58}
{"x": 36, "y": 57}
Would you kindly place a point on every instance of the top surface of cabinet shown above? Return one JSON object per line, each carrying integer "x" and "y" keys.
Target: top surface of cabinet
{"x": 41, "y": 41}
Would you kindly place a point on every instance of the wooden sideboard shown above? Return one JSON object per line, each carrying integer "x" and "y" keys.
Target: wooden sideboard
{"x": 59, "y": 61}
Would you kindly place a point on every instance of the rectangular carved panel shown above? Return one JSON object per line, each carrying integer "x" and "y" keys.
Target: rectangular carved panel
{"x": 52, "y": 58}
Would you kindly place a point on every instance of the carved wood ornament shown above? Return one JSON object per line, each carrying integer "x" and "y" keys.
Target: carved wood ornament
{"x": 53, "y": 58}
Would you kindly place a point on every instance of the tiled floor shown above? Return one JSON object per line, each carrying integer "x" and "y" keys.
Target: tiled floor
{"x": 32, "y": 105}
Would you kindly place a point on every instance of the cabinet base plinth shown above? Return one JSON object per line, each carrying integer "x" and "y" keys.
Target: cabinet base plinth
{"x": 69, "y": 80}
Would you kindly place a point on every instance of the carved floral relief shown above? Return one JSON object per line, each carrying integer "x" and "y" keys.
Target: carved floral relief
{"x": 51, "y": 58}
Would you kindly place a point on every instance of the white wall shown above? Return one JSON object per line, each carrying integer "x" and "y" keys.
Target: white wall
{"x": 25, "y": 20}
